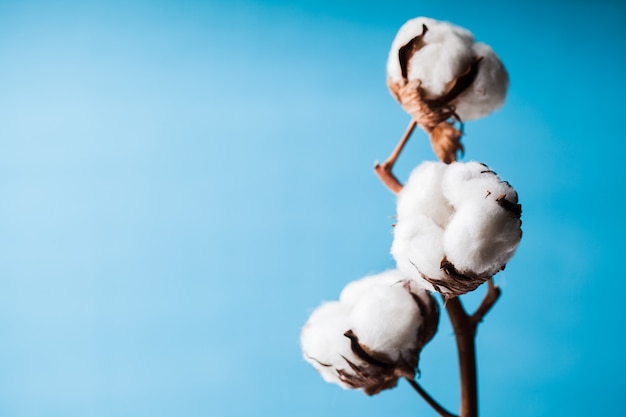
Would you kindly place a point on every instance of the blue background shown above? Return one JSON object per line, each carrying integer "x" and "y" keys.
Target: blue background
{"x": 183, "y": 182}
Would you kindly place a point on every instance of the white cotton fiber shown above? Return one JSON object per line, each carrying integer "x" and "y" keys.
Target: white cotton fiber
{"x": 386, "y": 320}
{"x": 422, "y": 194}
{"x": 481, "y": 238}
{"x": 352, "y": 292}
{"x": 323, "y": 341}
{"x": 488, "y": 91}
{"x": 472, "y": 181}
{"x": 417, "y": 248}
{"x": 464, "y": 234}
{"x": 422, "y": 214}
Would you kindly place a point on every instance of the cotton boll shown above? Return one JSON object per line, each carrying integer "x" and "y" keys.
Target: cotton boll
{"x": 488, "y": 91}
{"x": 445, "y": 53}
{"x": 386, "y": 321}
{"x": 470, "y": 238}
{"x": 373, "y": 342}
{"x": 481, "y": 238}
{"x": 355, "y": 289}
{"x": 323, "y": 342}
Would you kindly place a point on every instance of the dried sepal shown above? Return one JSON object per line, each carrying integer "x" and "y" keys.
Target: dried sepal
{"x": 446, "y": 142}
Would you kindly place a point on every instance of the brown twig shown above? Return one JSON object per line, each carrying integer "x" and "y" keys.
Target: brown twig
{"x": 465, "y": 333}
{"x": 384, "y": 170}
{"x": 465, "y": 327}
{"x": 430, "y": 400}
{"x": 492, "y": 295}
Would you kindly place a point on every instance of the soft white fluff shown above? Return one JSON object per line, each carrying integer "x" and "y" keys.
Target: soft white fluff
{"x": 323, "y": 341}
{"x": 462, "y": 221}
{"x": 473, "y": 181}
{"x": 417, "y": 248}
{"x": 481, "y": 238}
{"x": 386, "y": 320}
{"x": 422, "y": 194}
{"x": 446, "y": 54}
{"x": 422, "y": 214}
{"x": 352, "y": 292}
{"x": 488, "y": 91}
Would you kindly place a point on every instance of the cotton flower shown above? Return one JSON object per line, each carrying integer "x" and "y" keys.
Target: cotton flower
{"x": 457, "y": 226}
{"x": 373, "y": 335}
{"x": 436, "y": 71}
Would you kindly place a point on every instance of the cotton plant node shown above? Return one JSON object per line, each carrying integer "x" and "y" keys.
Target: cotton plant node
{"x": 384, "y": 322}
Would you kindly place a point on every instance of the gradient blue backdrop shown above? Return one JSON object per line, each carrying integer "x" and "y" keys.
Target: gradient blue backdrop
{"x": 183, "y": 182}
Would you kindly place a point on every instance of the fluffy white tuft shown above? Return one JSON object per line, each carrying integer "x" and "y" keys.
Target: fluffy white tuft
{"x": 323, "y": 342}
{"x": 481, "y": 238}
{"x": 422, "y": 194}
{"x": 352, "y": 292}
{"x": 488, "y": 91}
{"x": 386, "y": 320}
{"x": 422, "y": 214}
{"x": 417, "y": 248}
{"x": 472, "y": 181}
{"x": 461, "y": 215}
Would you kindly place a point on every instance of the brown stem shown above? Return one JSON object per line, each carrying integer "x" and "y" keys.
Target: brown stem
{"x": 465, "y": 327}
{"x": 384, "y": 170}
{"x": 430, "y": 400}
{"x": 465, "y": 331}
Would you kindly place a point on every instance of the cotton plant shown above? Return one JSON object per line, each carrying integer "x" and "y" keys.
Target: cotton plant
{"x": 372, "y": 336}
{"x": 457, "y": 225}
